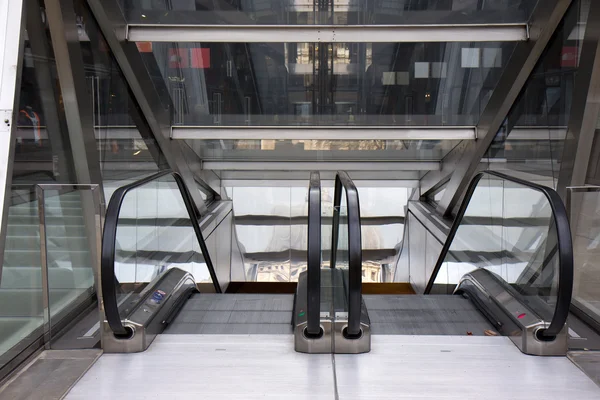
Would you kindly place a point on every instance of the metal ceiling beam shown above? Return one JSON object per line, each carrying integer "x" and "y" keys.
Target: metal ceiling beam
{"x": 321, "y": 166}
{"x": 327, "y": 33}
{"x": 460, "y": 165}
{"x": 324, "y": 133}
{"x": 302, "y": 183}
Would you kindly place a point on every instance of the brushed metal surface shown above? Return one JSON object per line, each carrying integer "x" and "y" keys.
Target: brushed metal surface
{"x": 457, "y": 367}
{"x": 211, "y": 367}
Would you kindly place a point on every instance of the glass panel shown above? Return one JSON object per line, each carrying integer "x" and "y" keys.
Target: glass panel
{"x": 21, "y": 304}
{"x": 42, "y": 154}
{"x": 584, "y": 214}
{"x": 382, "y": 229}
{"x": 346, "y": 84}
{"x": 263, "y": 229}
{"x": 154, "y": 234}
{"x": 342, "y": 257}
{"x": 532, "y": 137}
{"x": 339, "y": 12}
{"x": 509, "y": 230}
{"x": 126, "y": 147}
{"x": 70, "y": 262}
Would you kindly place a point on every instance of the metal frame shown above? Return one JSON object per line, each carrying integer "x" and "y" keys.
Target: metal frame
{"x": 565, "y": 247}
{"x": 321, "y": 165}
{"x": 113, "y": 26}
{"x": 12, "y": 40}
{"x": 461, "y": 164}
{"x": 343, "y": 182}
{"x": 327, "y": 33}
{"x": 108, "y": 277}
{"x": 325, "y": 133}
{"x": 98, "y": 226}
{"x": 585, "y": 108}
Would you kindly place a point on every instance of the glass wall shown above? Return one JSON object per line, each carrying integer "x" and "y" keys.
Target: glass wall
{"x": 584, "y": 213}
{"x": 126, "y": 148}
{"x": 339, "y": 12}
{"x": 530, "y": 142}
{"x": 346, "y": 84}
{"x": 272, "y": 231}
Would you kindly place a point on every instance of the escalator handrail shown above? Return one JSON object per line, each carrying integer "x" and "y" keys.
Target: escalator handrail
{"x": 313, "y": 307}
{"x": 565, "y": 246}
{"x": 343, "y": 182}
{"x": 107, "y": 266}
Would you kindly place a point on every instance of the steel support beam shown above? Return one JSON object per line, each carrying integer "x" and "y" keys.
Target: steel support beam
{"x": 12, "y": 23}
{"x": 324, "y": 133}
{"x": 62, "y": 21}
{"x": 113, "y": 25}
{"x": 327, "y": 33}
{"x": 585, "y": 109}
{"x": 461, "y": 164}
{"x": 321, "y": 166}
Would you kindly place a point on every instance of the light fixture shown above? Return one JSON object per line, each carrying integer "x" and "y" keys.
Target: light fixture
{"x": 137, "y": 152}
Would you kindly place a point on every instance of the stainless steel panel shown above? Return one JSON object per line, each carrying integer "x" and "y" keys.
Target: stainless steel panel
{"x": 510, "y": 314}
{"x": 158, "y": 303}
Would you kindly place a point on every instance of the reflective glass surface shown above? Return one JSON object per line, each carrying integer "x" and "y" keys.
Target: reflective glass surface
{"x": 154, "y": 234}
{"x": 271, "y": 230}
{"x": 42, "y": 154}
{"x": 126, "y": 148}
{"x": 584, "y": 215}
{"x": 532, "y": 136}
{"x": 70, "y": 262}
{"x": 509, "y": 230}
{"x": 346, "y": 84}
{"x": 322, "y": 150}
{"x": 21, "y": 303}
{"x": 339, "y": 12}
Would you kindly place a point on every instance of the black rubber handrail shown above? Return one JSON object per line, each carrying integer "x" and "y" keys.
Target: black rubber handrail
{"x": 565, "y": 246}
{"x": 313, "y": 307}
{"x": 107, "y": 268}
{"x": 343, "y": 182}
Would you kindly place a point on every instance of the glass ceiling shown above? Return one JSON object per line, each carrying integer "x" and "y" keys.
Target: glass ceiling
{"x": 320, "y": 84}
{"x": 336, "y": 12}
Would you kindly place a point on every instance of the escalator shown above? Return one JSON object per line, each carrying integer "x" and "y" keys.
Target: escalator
{"x": 467, "y": 292}
{"x": 158, "y": 277}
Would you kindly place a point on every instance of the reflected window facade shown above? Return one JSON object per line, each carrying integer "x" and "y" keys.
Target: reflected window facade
{"x": 271, "y": 229}
{"x": 126, "y": 147}
{"x": 532, "y": 136}
{"x": 338, "y": 12}
{"x": 345, "y": 84}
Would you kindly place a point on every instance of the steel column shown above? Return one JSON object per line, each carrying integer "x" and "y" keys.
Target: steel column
{"x": 11, "y": 57}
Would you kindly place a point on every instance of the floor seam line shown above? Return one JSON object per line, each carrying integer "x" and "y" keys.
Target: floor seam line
{"x": 336, "y": 394}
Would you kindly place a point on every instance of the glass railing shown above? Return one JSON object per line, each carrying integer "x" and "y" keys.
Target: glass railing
{"x": 583, "y": 206}
{"x": 50, "y": 255}
{"x": 346, "y": 248}
{"x": 518, "y": 231}
{"x": 151, "y": 227}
